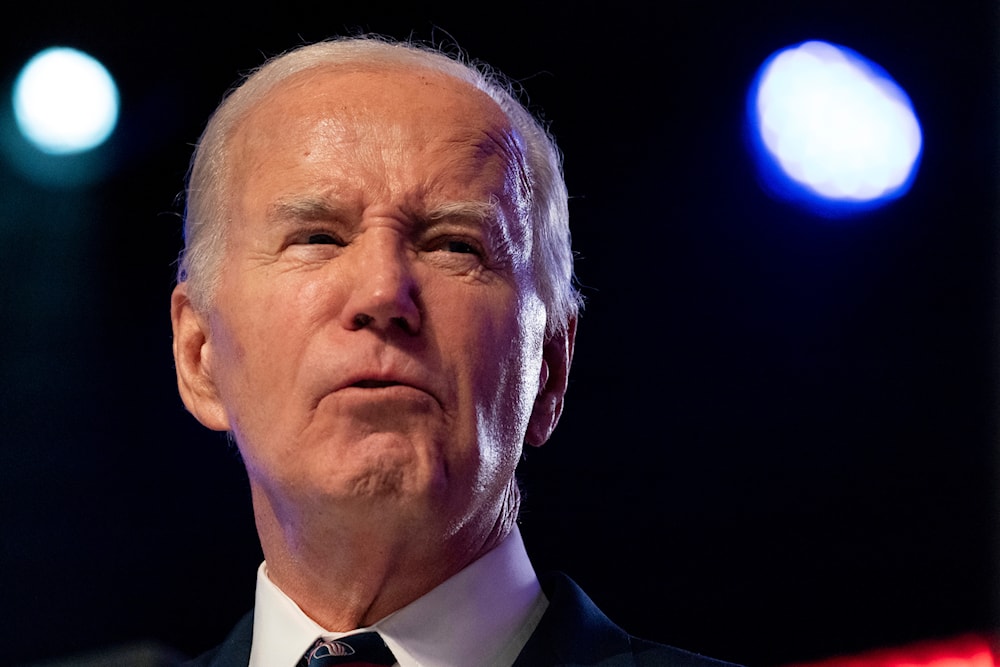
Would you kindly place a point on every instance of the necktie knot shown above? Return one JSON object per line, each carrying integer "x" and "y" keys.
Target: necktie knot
{"x": 366, "y": 648}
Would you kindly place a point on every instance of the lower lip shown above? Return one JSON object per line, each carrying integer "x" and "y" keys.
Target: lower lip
{"x": 405, "y": 397}
{"x": 401, "y": 390}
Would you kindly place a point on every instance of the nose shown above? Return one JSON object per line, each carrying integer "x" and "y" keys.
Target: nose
{"x": 383, "y": 293}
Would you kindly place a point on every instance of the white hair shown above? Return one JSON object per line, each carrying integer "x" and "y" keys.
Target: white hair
{"x": 206, "y": 216}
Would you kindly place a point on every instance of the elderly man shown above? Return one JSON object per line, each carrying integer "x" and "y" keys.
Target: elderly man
{"x": 376, "y": 300}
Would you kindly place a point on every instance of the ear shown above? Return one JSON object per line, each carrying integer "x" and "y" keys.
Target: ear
{"x": 557, "y": 355}
{"x": 192, "y": 359}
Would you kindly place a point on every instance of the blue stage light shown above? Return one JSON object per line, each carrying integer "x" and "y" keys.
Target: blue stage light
{"x": 832, "y": 130}
{"x": 65, "y": 101}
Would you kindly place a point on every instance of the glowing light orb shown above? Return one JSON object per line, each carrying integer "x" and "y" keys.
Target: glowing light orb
{"x": 65, "y": 101}
{"x": 833, "y": 126}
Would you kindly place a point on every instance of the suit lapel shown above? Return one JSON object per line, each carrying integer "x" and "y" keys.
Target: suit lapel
{"x": 573, "y": 631}
{"x": 233, "y": 652}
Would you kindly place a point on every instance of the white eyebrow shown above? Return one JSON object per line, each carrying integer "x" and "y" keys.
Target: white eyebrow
{"x": 486, "y": 212}
{"x": 320, "y": 208}
{"x": 486, "y": 215}
{"x": 306, "y": 209}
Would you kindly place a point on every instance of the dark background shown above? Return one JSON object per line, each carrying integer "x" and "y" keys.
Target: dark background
{"x": 780, "y": 430}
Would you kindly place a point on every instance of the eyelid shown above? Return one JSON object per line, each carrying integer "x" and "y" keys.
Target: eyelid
{"x": 442, "y": 232}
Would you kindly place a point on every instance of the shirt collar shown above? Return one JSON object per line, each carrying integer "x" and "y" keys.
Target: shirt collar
{"x": 481, "y": 616}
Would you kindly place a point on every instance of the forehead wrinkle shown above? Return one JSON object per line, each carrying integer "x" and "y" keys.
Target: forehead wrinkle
{"x": 468, "y": 155}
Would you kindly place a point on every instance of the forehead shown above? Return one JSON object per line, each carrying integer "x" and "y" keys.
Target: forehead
{"x": 383, "y": 123}
{"x": 385, "y": 89}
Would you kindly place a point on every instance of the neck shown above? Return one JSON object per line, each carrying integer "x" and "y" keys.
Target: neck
{"x": 346, "y": 573}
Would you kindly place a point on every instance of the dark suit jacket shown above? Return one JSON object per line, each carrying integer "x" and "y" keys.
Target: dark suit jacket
{"x": 572, "y": 633}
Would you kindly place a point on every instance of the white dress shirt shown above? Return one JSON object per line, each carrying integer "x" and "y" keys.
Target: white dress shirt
{"x": 482, "y": 616}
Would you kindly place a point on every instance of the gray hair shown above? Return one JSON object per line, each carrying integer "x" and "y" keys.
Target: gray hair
{"x": 209, "y": 176}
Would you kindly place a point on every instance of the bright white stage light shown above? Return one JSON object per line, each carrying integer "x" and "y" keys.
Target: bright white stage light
{"x": 834, "y": 125}
{"x": 65, "y": 101}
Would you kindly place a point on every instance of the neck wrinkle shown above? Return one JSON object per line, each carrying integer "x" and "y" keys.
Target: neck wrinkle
{"x": 343, "y": 588}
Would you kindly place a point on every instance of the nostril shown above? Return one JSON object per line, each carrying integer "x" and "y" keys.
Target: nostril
{"x": 361, "y": 320}
{"x": 403, "y": 324}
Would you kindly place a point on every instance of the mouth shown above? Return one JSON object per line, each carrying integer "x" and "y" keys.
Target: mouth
{"x": 394, "y": 385}
{"x": 375, "y": 384}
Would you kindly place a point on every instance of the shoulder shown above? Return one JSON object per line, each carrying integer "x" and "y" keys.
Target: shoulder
{"x": 573, "y": 631}
{"x": 234, "y": 651}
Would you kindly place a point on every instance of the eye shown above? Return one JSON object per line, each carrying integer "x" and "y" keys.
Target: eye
{"x": 461, "y": 247}
{"x": 323, "y": 238}
{"x": 459, "y": 244}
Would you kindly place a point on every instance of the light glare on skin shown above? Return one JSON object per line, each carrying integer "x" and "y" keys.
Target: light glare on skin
{"x": 416, "y": 420}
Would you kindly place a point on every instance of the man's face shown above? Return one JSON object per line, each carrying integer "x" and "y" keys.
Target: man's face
{"x": 376, "y": 339}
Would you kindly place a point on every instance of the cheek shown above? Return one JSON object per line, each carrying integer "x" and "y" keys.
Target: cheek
{"x": 272, "y": 313}
{"x": 507, "y": 372}
{"x": 254, "y": 346}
